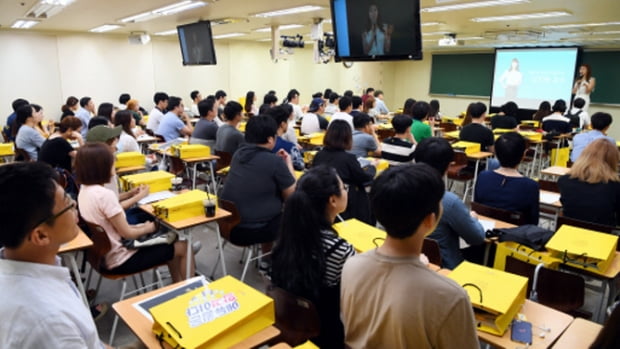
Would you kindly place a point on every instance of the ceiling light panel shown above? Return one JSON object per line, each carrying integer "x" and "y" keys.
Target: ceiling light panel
{"x": 282, "y": 27}
{"x": 470, "y": 5}
{"x": 288, "y": 11}
{"x": 580, "y": 25}
{"x": 229, "y": 35}
{"x": 24, "y": 24}
{"x": 104, "y": 28}
{"x": 163, "y": 11}
{"x": 167, "y": 32}
{"x": 535, "y": 15}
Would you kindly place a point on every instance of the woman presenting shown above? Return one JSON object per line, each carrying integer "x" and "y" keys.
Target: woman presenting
{"x": 377, "y": 38}
{"x": 584, "y": 85}
{"x": 511, "y": 80}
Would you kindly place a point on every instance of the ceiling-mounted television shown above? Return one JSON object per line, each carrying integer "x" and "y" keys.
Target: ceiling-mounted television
{"x": 196, "y": 43}
{"x": 367, "y": 30}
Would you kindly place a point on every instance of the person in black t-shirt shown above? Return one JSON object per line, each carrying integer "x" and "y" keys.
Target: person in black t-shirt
{"x": 57, "y": 151}
{"x": 477, "y": 131}
{"x": 507, "y": 117}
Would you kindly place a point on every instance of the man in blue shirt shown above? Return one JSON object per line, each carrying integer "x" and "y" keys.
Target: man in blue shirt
{"x": 380, "y": 106}
{"x": 87, "y": 109}
{"x": 600, "y": 124}
{"x": 457, "y": 221}
{"x": 10, "y": 120}
{"x": 175, "y": 123}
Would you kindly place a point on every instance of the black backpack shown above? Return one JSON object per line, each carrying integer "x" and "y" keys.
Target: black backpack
{"x": 574, "y": 119}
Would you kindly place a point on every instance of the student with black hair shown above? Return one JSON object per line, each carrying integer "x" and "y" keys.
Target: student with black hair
{"x": 345, "y": 105}
{"x": 419, "y": 129}
{"x": 70, "y": 107}
{"x": 269, "y": 101}
{"x": 338, "y": 139}
{"x": 10, "y": 120}
{"x": 250, "y": 104}
{"x": 332, "y": 106}
{"x": 292, "y": 98}
{"x": 327, "y": 94}
{"x": 457, "y": 221}
{"x": 258, "y": 184}
{"x": 477, "y": 131}
{"x": 384, "y": 289}
{"x": 281, "y": 114}
{"x": 368, "y": 93}
{"x": 507, "y": 117}
{"x": 400, "y": 148}
{"x": 157, "y": 113}
{"x": 308, "y": 255}
{"x": 380, "y": 106}
{"x": 196, "y": 98}
{"x": 356, "y": 105}
{"x": 175, "y": 123}
{"x": 600, "y": 124}
{"x": 408, "y": 107}
{"x": 365, "y": 141}
{"x": 27, "y": 137}
{"x": 127, "y": 141}
{"x": 206, "y": 128}
{"x": 57, "y": 151}
{"x": 578, "y": 117}
{"x": 505, "y": 187}
{"x": 228, "y": 138}
{"x": 98, "y": 121}
{"x": 220, "y": 98}
{"x": 42, "y": 307}
{"x": 122, "y": 100}
{"x": 86, "y": 111}
{"x": 313, "y": 120}
{"x": 106, "y": 110}
{"x": 557, "y": 122}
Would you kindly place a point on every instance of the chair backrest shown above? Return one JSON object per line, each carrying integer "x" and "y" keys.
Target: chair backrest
{"x": 447, "y": 126}
{"x": 21, "y": 155}
{"x": 560, "y": 290}
{"x": 512, "y": 217}
{"x": 296, "y": 317}
{"x": 458, "y": 163}
{"x": 224, "y": 160}
{"x": 228, "y": 223}
{"x": 101, "y": 246}
{"x": 522, "y": 268}
{"x": 548, "y": 185}
{"x": 431, "y": 249}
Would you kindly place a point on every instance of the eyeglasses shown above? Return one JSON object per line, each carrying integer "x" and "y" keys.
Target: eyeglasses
{"x": 345, "y": 187}
{"x": 58, "y": 214}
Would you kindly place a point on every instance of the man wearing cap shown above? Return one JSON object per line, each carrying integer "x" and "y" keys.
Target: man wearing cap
{"x": 105, "y": 134}
{"x": 314, "y": 121}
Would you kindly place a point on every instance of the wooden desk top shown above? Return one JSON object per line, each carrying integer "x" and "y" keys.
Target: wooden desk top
{"x": 146, "y": 139}
{"x": 80, "y": 242}
{"x": 555, "y": 171}
{"x": 556, "y": 204}
{"x": 188, "y": 160}
{"x": 479, "y": 155}
{"x": 142, "y": 326}
{"x": 281, "y": 346}
{"x": 189, "y": 222}
{"x": 580, "y": 334}
{"x": 498, "y": 224}
{"x": 541, "y": 317}
{"x": 125, "y": 170}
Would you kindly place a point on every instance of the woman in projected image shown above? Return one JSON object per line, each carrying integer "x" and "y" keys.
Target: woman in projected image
{"x": 377, "y": 39}
{"x": 584, "y": 85}
{"x": 511, "y": 80}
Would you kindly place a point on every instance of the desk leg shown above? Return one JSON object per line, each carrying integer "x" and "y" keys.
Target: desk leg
{"x": 221, "y": 248}
{"x": 70, "y": 260}
{"x": 195, "y": 167}
{"x": 557, "y": 153}
{"x": 213, "y": 181}
{"x": 473, "y": 188}
{"x": 190, "y": 255}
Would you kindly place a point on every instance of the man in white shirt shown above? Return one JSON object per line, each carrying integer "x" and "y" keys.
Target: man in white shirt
{"x": 87, "y": 109}
{"x": 122, "y": 101}
{"x": 42, "y": 307}
{"x": 155, "y": 116}
{"x": 346, "y": 105}
{"x": 332, "y": 106}
{"x": 196, "y": 97}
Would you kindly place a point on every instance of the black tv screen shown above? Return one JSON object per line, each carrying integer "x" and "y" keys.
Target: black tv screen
{"x": 367, "y": 30}
{"x": 196, "y": 43}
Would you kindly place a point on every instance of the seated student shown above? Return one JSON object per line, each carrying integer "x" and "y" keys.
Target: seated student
{"x": 544, "y": 109}
{"x": 42, "y": 307}
{"x": 94, "y": 165}
{"x": 57, "y": 151}
{"x": 600, "y": 124}
{"x": 8, "y": 129}
{"x": 269, "y": 101}
{"x": 507, "y": 117}
{"x": 281, "y": 114}
{"x": 389, "y": 298}
{"x": 477, "y": 131}
{"x": 308, "y": 255}
{"x": 419, "y": 129}
{"x": 356, "y": 105}
{"x": 578, "y": 117}
{"x": 399, "y": 148}
{"x": 161, "y": 103}
{"x": 337, "y": 141}
{"x": 457, "y": 221}
{"x": 258, "y": 184}
{"x": 365, "y": 141}
{"x": 206, "y": 127}
{"x": 557, "y": 122}
{"x": 505, "y": 187}
{"x": 175, "y": 123}
{"x": 98, "y": 121}
{"x": 289, "y": 134}
{"x": 228, "y": 138}
{"x": 591, "y": 189}
{"x": 332, "y": 106}
{"x": 27, "y": 137}
{"x": 127, "y": 141}
{"x": 313, "y": 121}
{"x": 346, "y": 106}
{"x": 608, "y": 337}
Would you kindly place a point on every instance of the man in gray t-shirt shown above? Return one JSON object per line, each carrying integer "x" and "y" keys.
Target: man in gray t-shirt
{"x": 364, "y": 139}
{"x": 228, "y": 137}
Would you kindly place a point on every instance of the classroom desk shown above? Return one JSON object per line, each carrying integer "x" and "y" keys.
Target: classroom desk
{"x": 141, "y": 326}
{"x": 555, "y": 171}
{"x": 550, "y": 201}
{"x": 193, "y": 163}
{"x": 580, "y": 334}
{"x": 68, "y": 252}
{"x": 184, "y": 227}
{"x": 477, "y": 157}
{"x": 489, "y": 241}
{"x": 144, "y": 141}
{"x": 121, "y": 171}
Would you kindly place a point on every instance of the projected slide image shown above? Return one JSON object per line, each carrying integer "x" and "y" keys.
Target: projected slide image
{"x": 530, "y": 76}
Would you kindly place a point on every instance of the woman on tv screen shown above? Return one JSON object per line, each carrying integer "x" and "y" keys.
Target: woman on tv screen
{"x": 376, "y": 39}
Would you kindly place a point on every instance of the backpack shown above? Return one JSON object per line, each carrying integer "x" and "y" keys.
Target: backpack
{"x": 529, "y": 235}
{"x": 575, "y": 121}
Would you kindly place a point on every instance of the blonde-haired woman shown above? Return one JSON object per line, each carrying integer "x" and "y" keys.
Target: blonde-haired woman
{"x": 591, "y": 190}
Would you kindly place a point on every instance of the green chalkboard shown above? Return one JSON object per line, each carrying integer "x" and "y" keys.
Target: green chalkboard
{"x": 606, "y": 70}
{"x": 462, "y": 74}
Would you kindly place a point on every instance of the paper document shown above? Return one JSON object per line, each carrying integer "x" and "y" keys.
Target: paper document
{"x": 549, "y": 198}
{"x": 487, "y": 224}
{"x": 158, "y": 196}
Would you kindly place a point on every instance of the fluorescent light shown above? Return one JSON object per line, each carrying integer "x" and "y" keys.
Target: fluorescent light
{"x": 282, "y": 27}
{"x": 470, "y": 38}
{"x": 24, "y": 24}
{"x": 263, "y": 40}
{"x": 229, "y": 35}
{"x": 327, "y": 21}
{"x": 163, "y": 11}
{"x": 469, "y": 5}
{"x": 288, "y": 11}
{"x": 534, "y": 15}
{"x": 427, "y": 24}
{"x": 579, "y": 25}
{"x": 105, "y": 28}
{"x": 435, "y": 33}
{"x": 47, "y": 8}
{"x": 167, "y": 32}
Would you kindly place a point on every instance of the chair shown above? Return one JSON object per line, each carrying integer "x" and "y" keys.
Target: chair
{"x": 548, "y": 185}
{"x": 457, "y": 172}
{"x": 96, "y": 258}
{"x": 296, "y": 317}
{"x": 512, "y": 217}
{"x": 22, "y": 155}
{"x": 430, "y": 248}
{"x": 447, "y": 126}
{"x": 226, "y": 226}
{"x": 224, "y": 160}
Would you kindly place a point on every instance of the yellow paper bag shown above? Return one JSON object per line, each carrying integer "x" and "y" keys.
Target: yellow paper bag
{"x": 583, "y": 248}
{"x": 362, "y": 236}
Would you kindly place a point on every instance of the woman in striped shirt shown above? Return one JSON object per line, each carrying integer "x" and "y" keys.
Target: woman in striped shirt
{"x": 309, "y": 255}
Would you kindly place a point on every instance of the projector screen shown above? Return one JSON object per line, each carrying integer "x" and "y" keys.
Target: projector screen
{"x": 528, "y": 76}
